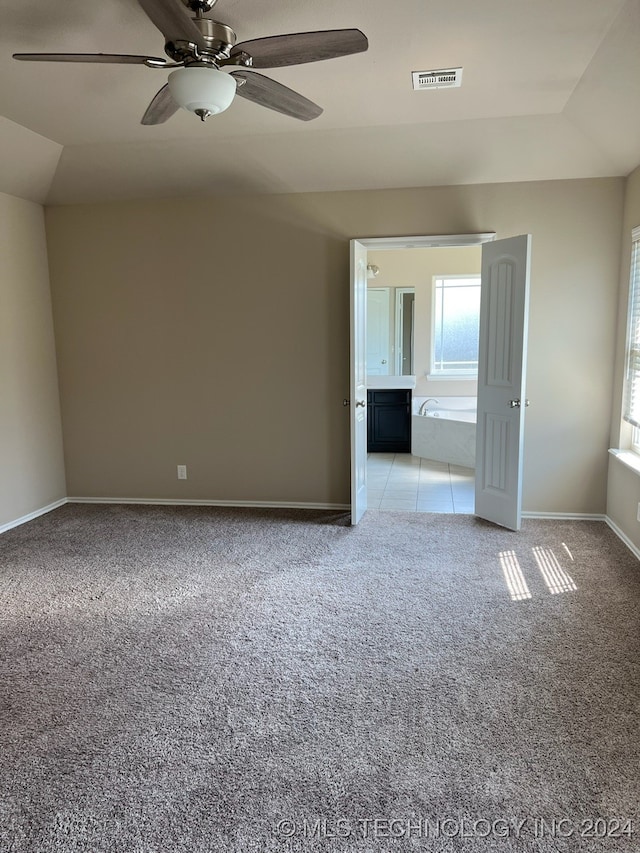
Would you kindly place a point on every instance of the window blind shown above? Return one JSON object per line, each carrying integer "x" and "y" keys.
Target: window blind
{"x": 631, "y": 412}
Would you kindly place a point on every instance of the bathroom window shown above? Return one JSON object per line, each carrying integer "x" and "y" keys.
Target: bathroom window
{"x": 455, "y": 328}
{"x": 631, "y": 409}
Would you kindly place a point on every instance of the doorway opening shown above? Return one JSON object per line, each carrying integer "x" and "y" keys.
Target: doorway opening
{"x": 501, "y": 366}
{"x": 420, "y": 328}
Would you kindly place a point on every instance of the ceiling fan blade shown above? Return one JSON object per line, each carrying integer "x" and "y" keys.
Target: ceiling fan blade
{"x": 161, "y": 108}
{"x": 298, "y": 48}
{"x": 173, "y": 21}
{"x": 112, "y": 58}
{"x": 268, "y": 93}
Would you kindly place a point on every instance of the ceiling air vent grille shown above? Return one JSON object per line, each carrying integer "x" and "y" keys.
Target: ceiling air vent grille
{"x": 444, "y": 78}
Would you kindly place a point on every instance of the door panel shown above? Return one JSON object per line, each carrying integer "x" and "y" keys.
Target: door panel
{"x": 500, "y": 321}
{"x": 501, "y": 380}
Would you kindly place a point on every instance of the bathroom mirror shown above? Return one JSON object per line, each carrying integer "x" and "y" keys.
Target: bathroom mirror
{"x": 390, "y": 331}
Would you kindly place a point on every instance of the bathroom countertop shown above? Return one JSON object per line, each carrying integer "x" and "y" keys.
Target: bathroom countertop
{"x": 391, "y": 382}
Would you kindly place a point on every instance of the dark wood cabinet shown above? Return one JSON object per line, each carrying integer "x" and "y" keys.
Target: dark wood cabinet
{"x": 389, "y": 421}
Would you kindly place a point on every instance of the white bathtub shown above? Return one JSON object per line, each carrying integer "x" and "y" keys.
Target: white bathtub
{"x": 446, "y": 430}
{"x": 467, "y": 416}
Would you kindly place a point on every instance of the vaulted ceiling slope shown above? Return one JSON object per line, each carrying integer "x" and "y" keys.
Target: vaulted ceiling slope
{"x": 550, "y": 90}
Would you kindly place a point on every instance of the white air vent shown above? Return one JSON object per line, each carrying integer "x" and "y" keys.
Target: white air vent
{"x": 444, "y": 78}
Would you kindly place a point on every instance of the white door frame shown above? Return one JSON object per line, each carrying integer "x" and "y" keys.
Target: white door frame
{"x": 421, "y": 242}
{"x": 435, "y": 241}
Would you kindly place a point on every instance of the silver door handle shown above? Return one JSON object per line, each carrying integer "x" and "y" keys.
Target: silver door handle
{"x": 384, "y": 361}
{"x": 515, "y": 404}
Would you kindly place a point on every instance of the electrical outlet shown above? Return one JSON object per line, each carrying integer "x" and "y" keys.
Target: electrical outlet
{"x": 182, "y": 472}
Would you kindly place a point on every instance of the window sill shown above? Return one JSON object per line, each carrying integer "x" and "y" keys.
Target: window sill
{"x": 628, "y": 458}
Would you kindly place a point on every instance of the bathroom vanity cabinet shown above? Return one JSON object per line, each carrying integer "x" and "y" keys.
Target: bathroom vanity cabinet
{"x": 389, "y": 420}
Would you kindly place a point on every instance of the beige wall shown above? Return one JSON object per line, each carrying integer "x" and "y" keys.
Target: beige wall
{"x": 623, "y": 493}
{"x": 156, "y": 369}
{"x": 416, "y": 268}
{"x": 31, "y": 459}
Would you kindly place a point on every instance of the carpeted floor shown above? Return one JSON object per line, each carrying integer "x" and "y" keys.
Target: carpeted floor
{"x": 203, "y": 680}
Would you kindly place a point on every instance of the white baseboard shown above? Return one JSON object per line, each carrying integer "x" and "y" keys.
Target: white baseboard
{"x": 180, "y": 502}
{"x": 567, "y": 516}
{"x": 37, "y": 512}
{"x": 623, "y": 537}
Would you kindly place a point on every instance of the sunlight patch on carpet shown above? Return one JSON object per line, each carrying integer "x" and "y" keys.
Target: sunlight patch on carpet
{"x": 555, "y": 577}
{"x": 516, "y": 583}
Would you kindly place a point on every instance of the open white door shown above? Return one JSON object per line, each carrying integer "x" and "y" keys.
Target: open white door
{"x": 358, "y": 389}
{"x": 504, "y": 308}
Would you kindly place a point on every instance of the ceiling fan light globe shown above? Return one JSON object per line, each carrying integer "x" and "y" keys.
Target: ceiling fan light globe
{"x": 205, "y": 89}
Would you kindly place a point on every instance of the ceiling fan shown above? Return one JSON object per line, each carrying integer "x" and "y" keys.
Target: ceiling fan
{"x": 199, "y": 48}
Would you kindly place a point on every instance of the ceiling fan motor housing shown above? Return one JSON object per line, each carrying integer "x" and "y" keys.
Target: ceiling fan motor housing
{"x": 219, "y": 39}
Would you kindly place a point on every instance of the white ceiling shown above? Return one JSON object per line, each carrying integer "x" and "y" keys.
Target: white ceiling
{"x": 550, "y": 90}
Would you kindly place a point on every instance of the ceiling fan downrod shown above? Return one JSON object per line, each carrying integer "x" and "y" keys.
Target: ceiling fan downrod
{"x": 200, "y": 7}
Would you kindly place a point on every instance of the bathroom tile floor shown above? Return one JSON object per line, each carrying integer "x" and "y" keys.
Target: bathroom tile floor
{"x": 400, "y": 481}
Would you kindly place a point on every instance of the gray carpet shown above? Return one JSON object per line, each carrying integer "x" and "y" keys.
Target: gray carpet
{"x": 234, "y": 680}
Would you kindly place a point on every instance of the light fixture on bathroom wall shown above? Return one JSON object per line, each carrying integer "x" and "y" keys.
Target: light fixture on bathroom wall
{"x": 372, "y": 270}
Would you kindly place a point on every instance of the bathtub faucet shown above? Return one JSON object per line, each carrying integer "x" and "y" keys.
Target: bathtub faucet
{"x": 421, "y": 410}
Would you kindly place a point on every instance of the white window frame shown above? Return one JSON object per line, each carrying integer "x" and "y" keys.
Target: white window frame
{"x": 631, "y": 396}
{"x": 435, "y": 373}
